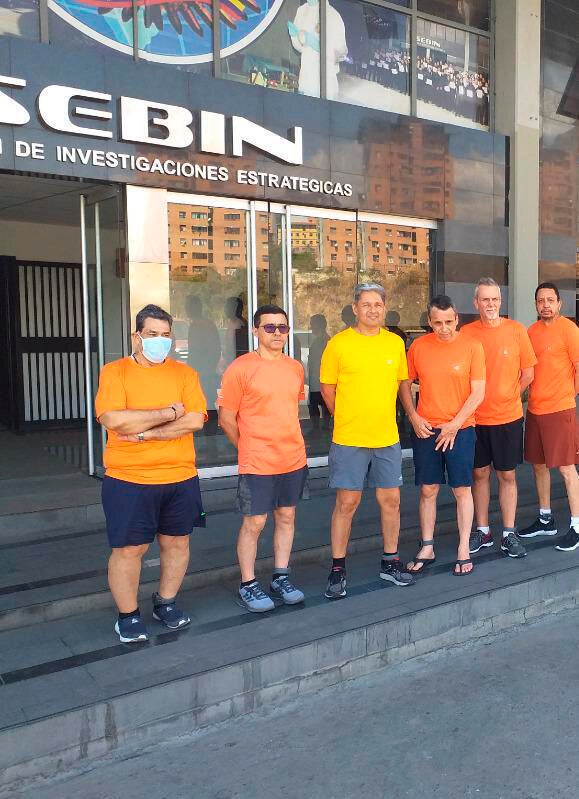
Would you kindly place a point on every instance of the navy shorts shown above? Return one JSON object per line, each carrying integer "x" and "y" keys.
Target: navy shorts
{"x": 356, "y": 468}
{"x": 258, "y": 494}
{"x": 432, "y": 467}
{"x": 135, "y": 512}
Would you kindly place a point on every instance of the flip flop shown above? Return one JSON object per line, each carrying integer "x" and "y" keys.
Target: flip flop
{"x": 462, "y": 563}
{"x": 426, "y": 562}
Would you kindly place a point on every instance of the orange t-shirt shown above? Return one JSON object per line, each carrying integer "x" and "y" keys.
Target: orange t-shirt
{"x": 444, "y": 370}
{"x": 126, "y": 385}
{"x": 557, "y": 349}
{"x": 265, "y": 395}
{"x": 508, "y": 350}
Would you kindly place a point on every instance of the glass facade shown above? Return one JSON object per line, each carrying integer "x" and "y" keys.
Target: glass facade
{"x": 559, "y": 152}
{"x": 285, "y": 56}
{"x": 349, "y": 51}
{"x": 452, "y": 75}
{"x": 374, "y": 67}
{"x": 305, "y": 260}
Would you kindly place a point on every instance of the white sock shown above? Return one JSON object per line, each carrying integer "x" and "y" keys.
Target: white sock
{"x": 508, "y": 530}
{"x": 544, "y": 512}
{"x": 575, "y": 523}
{"x": 484, "y": 530}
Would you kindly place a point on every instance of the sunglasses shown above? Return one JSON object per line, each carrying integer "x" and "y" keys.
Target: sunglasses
{"x": 283, "y": 329}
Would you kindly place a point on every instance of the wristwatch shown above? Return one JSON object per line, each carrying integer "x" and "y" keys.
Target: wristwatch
{"x": 141, "y": 436}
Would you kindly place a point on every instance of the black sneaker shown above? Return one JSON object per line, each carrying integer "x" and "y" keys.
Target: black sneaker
{"x": 512, "y": 547}
{"x": 478, "y": 540}
{"x": 131, "y": 630}
{"x": 336, "y": 584}
{"x": 169, "y": 614}
{"x": 395, "y": 572}
{"x": 540, "y": 526}
{"x": 569, "y": 542}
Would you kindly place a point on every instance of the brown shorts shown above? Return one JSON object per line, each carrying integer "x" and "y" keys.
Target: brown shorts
{"x": 552, "y": 438}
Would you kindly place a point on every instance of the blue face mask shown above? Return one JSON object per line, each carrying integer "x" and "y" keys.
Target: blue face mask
{"x": 157, "y": 348}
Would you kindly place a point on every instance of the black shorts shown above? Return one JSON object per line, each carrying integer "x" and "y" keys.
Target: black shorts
{"x": 262, "y": 493}
{"x": 135, "y": 512}
{"x": 499, "y": 444}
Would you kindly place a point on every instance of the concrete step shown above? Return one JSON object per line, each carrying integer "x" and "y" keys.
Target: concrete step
{"x": 69, "y": 691}
{"x": 45, "y": 579}
{"x": 52, "y": 506}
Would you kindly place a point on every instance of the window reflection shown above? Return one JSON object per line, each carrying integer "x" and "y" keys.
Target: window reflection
{"x": 375, "y": 65}
{"x": 285, "y": 56}
{"x": 208, "y": 289}
{"x": 452, "y": 74}
{"x": 474, "y": 13}
{"x": 20, "y": 18}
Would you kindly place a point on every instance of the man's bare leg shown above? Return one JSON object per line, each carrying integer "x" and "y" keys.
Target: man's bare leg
{"x": 464, "y": 517}
{"x": 174, "y": 551}
{"x": 124, "y": 576}
{"x": 543, "y": 484}
{"x": 571, "y": 478}
{"x": 508, "y": 497}
{"x": 427, "y": 516}
{"x": 389, "y": 502}
{"x": 481, "y": 493}
{"x": 346, "y": 505}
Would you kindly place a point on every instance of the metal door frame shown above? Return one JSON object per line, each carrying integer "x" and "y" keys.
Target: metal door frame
{"x": 94, "y": 198}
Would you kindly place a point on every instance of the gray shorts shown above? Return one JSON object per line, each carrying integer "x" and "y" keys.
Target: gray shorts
{"x": 356, "y": 468}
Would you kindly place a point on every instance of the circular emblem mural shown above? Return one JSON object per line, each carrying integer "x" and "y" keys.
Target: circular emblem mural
{"x": 170, "y": 31}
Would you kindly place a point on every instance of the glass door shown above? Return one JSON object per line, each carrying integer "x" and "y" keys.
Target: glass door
{"x": 323, "y": 249}
{"x": 104, "y": 301}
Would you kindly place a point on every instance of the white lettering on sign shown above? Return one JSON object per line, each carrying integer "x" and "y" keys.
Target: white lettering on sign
{"x": 147, "y": 122}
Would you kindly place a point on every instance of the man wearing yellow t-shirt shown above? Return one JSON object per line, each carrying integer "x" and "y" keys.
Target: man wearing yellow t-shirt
{"x": 361, "y": 370}
{"x": 150, "y": 406}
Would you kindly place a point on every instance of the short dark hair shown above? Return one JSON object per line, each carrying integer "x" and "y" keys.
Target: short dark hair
{"x": 263, "y": 309}
{"x": 442, "y": 302}
{"x": 152, "y": 312}
{"x": 547, "y": 285}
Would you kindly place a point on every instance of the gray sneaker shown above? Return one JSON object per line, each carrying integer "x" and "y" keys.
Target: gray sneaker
{"x": 512, "y": 546}
{"x": 253, "y": 598}
{"x": 283, "y": 589}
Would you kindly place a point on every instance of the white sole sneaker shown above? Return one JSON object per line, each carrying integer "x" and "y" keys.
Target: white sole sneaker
{"x": 124, "y": 640}
{"x": 539, "y": 532}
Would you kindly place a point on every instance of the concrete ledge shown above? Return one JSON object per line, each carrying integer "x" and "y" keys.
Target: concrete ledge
{"x": 56, "y": 743}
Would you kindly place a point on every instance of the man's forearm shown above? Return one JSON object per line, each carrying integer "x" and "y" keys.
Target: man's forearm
{"x": 405, "y": 394}
{"x": 231, "y": 432}
{"x": 329, "y": 396}
{"x": 176, "y": 429}
{"x": 468, "y": 408}
{"x": 129, "y": 422}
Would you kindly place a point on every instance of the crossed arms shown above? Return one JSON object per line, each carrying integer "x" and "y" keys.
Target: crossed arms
{"x": 162, "y": 424}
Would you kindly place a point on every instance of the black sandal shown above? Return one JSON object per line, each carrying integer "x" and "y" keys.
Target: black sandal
{"x": 460, "y": 564}
{"x": 426, "y": 562}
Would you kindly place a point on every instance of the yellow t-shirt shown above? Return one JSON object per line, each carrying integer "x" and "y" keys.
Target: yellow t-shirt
{"x": 366, "y": 371}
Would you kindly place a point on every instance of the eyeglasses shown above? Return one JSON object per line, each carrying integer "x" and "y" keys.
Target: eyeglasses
{"x": 283, "y": 329}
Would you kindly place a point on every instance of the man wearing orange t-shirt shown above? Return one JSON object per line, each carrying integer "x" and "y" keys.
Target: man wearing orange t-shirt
{"x": 551, "y": 439}
{"x": 450, "y": 370}
{"x": 509, "y": 360}
{"x": 259, "y": 413}
{"x": 150, "y": 406}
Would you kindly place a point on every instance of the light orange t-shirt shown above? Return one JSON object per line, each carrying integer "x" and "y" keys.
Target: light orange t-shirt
{"x": 508, "y": 350}
{"x": 126, "y": 385}
{"x": 444, "y": 370}
{"x": 557, "y": 349}
{"x": 265, "y": 395}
